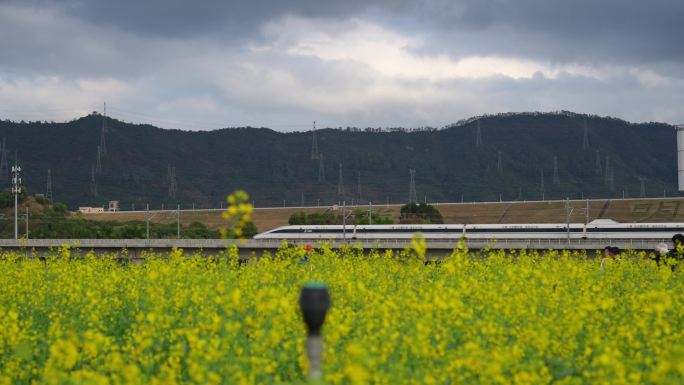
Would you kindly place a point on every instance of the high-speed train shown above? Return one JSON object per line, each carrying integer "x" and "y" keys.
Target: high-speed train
{"x": 597, "y": 229}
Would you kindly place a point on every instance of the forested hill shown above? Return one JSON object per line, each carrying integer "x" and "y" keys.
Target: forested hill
{"x": 274, "y": 166}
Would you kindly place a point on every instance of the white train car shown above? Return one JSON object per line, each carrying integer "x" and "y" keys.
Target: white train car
{"x": 609, "y": 229}
{"x": 598, "y": 229}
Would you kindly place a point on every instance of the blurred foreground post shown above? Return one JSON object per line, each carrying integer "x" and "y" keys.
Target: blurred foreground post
{"x": 314, "y": 302}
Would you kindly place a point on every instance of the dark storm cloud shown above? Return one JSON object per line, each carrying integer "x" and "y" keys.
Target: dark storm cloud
{"x": 279, "y": 62}
{"x": 557, "y": 30}
{"x": 579, "y": 30}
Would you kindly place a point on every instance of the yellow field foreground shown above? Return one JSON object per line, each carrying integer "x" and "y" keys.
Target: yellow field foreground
{"x": 507, "y": 318}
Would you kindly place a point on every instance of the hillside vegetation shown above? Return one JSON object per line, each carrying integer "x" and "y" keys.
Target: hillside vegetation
{"x": 277, "y": 168}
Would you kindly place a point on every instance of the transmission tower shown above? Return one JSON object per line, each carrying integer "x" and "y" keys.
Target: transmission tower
{"x": 98, "y": 161}
{"x": 556, "y": 179}
{"x": 103, "y": 143}
{"x": 340, "y": 183}
{"x": 93, "y": 184}
{"x": 606, "y": 174}
{"x": 412, "y": 188}
{"x": 48, "y": 190}
{"x": 611, "y": 179}
{"x": 358, "y": 185}
{"x": 173, "y": 186}
{"x": 642, "y": 190}
{"x": 314, "y": 144}
{"x": 321, "y": 169}
{"x": 4, "y": 167}
{"x": 499, "y": 164}
{"x": 478, "y": 135}
{"x": 541, "y": 183}
{"x": 599, "y": 169}
{"x": 585, "y": 139}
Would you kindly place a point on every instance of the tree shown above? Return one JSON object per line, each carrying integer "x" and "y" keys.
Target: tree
{"x": 422, "y": 213}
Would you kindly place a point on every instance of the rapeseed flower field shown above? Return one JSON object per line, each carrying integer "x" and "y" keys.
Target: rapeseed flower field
{"x": 492, "y": 317}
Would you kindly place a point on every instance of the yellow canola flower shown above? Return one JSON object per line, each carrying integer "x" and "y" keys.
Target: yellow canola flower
{"x": 477, "y": 317}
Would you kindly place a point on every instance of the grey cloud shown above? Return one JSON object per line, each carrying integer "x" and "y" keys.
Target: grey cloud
{"x": 557, "y": 30}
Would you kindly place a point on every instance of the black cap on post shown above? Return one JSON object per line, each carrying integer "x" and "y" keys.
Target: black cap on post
{"x": 314, "y": 301}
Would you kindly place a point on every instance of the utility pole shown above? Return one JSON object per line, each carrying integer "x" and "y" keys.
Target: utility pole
{"x": 16, "y": 189}
{"x": 598, "y": 163}
{"x": 344, "y": 220}
{"x": 568, "y": 211}
{"x": 541, "y": 187}
{"x": 370, "y": 212}
{"x": 27, "y": 222}
{"x": 178, "y": 222}
{"x": 586, "y": 219}
{"x": 642, "y": 189}
{"x": 147, "y": 221}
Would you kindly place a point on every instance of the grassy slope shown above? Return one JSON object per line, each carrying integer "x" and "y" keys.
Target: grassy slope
{"x": 629, "y": 210}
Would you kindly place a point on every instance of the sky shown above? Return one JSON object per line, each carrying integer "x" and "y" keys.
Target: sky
{"x": 375, "y": 63}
